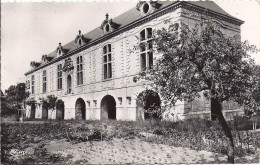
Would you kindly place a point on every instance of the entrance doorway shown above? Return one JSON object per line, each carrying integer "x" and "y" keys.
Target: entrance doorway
{"x": 108, "y": 108}
{"x": 80, "y": 109}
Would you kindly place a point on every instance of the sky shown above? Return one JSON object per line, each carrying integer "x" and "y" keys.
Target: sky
{"x": 32, "y": 29}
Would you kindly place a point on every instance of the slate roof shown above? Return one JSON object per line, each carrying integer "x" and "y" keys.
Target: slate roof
{"x": 133, "y": 15}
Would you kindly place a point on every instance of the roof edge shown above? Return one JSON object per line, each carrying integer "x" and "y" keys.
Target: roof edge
{"x": 142, "y": 20}
{"x": 240, "y": 22}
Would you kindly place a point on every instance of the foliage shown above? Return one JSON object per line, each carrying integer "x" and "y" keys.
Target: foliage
{"x": 52, "y": 102}
{"x": 150, "y": 101}
{"x": 13, "y": 98}
{"x": 59, "y": 104}
{"x": 15, "y": 95}
{"x": 201, "y": 134}
{"x": 254, "y": 94}
{"x": 198, "y": 59}
{"x": 195, "y": 60}
{"x": 245, "y": 123}
{"x": 5, "y": 108}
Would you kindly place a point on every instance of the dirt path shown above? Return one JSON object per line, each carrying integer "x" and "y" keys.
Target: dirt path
{"x": 134, "y": 151}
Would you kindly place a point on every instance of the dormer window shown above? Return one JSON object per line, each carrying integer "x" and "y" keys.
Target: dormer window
{"x": 60, "y": 51}
{"x": 35, "y": 64}
{"x": 146, "y": 7}
{"x": 80, "y": 39}
{"x": 107, "y": 28}
{"x": 80, "y": 42}
{"x": 46, "y": 59}
{"x": 108, "y": 25}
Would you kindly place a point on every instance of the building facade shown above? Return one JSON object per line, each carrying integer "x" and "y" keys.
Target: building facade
{"x": 93, "y": 74}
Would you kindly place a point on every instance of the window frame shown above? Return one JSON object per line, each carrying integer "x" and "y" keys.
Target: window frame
{"x": 107, "y": 61}
{"x": 33, "y": 84}
{"x": 79, "y": 70}
{"x": 146, "y": 55}
{"x": 59, "y": 76}
{"x": 44, "y": 81}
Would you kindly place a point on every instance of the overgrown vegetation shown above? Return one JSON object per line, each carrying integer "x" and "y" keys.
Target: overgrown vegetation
{"x": 13, "y": 99}
{"x": 200, "y": 61}
{"x": 198, "y": 134}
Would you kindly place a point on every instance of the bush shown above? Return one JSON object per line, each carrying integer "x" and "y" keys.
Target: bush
{"x": 245, "y": 123}
{"x": 202, "y": 134}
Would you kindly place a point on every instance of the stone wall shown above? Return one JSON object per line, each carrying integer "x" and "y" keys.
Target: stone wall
{"x": 125, "y": 64}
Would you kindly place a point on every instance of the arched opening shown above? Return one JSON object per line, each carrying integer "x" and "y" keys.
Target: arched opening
{"x": 69, "y": 84}
{"x": 148, "y": 105}
{"x": 60, "y": 110}
{"x": 108, "y": 107}
{"x": 44, "y": 112}
{"x": 80, "y": 109}
{"x": 32, "y": 111}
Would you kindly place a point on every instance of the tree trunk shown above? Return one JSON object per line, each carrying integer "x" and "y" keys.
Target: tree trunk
{"x": 216, "y": 113}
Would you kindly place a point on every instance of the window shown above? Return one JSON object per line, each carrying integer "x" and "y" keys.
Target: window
{"x": 107, "y": 28}
{"x": 146, "y": 55}
{"x": 33, "y": 84}
{"x": 44, "y": 81}
{"x": 146, "y": 8}
{"x": 80, "y": 42}
{"x": 79, "y": 70}
{"x": 59, "y": 75}
{"x": 69, "y": 84}
{"x": 107, "y": 61}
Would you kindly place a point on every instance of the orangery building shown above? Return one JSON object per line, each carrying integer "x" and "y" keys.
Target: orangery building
{"x": 93, "y": 74}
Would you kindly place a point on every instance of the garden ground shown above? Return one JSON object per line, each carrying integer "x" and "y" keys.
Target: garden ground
{"x": 116, "y": 142}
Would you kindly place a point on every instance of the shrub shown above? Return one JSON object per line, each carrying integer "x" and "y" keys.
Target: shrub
{"x": 245, "y": 122}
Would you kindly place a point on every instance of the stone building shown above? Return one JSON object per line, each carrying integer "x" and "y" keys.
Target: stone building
{"x": 93, "y": 74}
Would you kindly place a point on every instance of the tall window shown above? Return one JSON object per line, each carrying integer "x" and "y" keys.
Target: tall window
{"x": 107, "y": 61}
{"x": 69, "y": 84}
{"x": 33, "y": 84}
{"x": 59, "y": 75}
{"x": 146, "y": 55}
{"x": 79, "y": 70}
{"x": 44, "y": 81}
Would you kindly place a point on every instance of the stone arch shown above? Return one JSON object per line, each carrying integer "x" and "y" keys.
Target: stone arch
{"x": 60, "y": 110}
{"x": 108, "y": 107}
{"x": 44, "y": 112}
{"x": 80, "y": 109}
{"x": 146, "y": 101}
{"x": 33, "y": 109}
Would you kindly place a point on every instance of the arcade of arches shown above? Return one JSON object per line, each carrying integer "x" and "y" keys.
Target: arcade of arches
{"x": 147, "y": 101}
